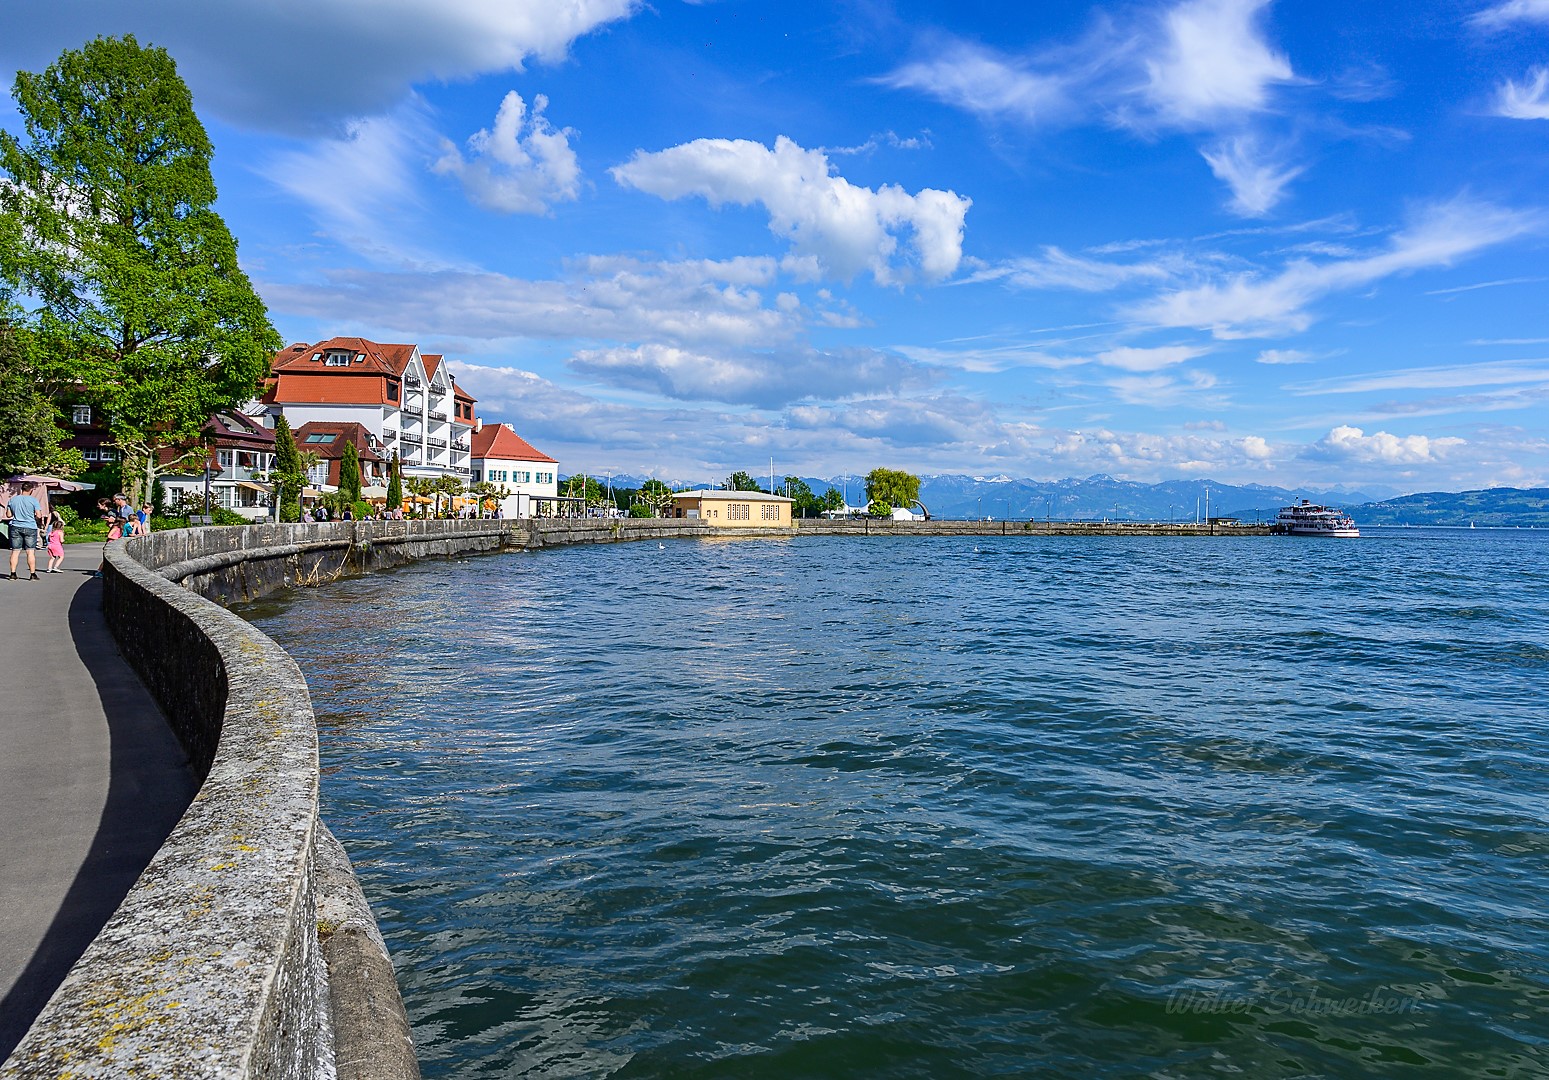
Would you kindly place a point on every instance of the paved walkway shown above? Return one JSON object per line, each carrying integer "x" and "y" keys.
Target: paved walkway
{"x": 91, "y": 780}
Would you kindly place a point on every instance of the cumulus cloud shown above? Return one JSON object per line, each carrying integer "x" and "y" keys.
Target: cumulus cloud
{"x": 1213, "y": 62}
{"x": 520, "y": 166}
{"x": 768, "y": 380}
{"x": 1527, "y": 100}
{"x": 845, "y": 228}
{"x": 1248, "y": 305}
{"x": 247, "y": 62}
{"x": 985, "y": 83}
{"x": 1352, "y": 444}
{"x": 1257, "y": 179}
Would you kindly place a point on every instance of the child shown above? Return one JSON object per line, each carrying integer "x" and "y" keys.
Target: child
{"x": 56, "y": 543}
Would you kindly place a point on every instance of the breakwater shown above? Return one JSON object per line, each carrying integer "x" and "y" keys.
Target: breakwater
{"x": 244, "y": 949}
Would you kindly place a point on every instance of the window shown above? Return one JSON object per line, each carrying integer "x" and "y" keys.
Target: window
{"x": 80, "y": 415}
{"x": 224, "y": 457}
{"x": 321, "y": 438}
{"x": 478, "y": 477}
{"x": 739, "y": 512}
{"x": 545, "y": 478}
{"x": 522, "y": 476}
{"x": 769, "y": 512}
{"x": 392, "y": 391}
{"x": 335, "y": 359}
{"x": 318, "y": 474}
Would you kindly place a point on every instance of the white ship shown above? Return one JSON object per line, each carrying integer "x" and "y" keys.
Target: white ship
{"x": 1310, "y": 519}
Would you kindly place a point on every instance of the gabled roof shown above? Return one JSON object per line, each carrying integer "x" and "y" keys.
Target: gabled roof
{"x": 330, "y": 437}
{"x": 501, "y": 442}
{"x": 374, "y": 359}
{"x": 237, "y": 427}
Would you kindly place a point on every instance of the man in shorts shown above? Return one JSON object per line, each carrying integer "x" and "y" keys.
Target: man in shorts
{"x": 24, "y": 532}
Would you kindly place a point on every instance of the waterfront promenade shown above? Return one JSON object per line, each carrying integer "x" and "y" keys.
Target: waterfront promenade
{"x": 91, "y": 780}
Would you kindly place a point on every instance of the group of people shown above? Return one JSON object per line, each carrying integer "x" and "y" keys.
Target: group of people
{"x": 123, "y": 519}
{"x": 31, "y": 526}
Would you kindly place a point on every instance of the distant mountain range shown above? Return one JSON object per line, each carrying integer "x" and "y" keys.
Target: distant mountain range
{"x": 1104, "y": 497}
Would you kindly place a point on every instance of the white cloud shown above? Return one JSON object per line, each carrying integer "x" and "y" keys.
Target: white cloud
{"x": 979, "y": 81}
{"x": 763, "y": 379}
{"x": 302, "y": 65}
{"x": 1525, "y": 101}
{"x": 1056, "y": 269}
{"x": 1246, "y": 305}
{"x": 1129, "y": 358}
{"x": 1352, "y": 444}
{"x": 1441, "y": 377}
{"x": 845, "y": 228}
{"x": 353, "y": 182}
{"x": 1283, "y": 356}
{"x": 1504, "y": 15}
{"x": 522, "y": 166}
{"x": 691, "y": 302}
{"x": 1161, "y": 389}
{"x": 1213, "y": 62}
{"x": 1257, "y": 180}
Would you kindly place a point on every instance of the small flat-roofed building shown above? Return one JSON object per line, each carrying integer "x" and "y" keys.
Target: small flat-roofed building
{"x": 734, "y": 509}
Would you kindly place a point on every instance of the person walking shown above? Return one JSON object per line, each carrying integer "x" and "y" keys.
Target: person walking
{"x": 23, "y": 512}
{"x": 56, "y": 543}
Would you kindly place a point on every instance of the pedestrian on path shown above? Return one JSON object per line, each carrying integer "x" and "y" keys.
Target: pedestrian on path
{"x": 56, "y": 543}
{"x": 23, "y": 513}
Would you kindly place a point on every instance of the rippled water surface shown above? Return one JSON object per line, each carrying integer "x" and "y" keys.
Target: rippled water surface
{"x": 1096, "y": 807}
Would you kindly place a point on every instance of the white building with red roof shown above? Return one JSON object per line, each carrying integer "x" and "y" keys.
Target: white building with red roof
{"x": 525, "y": 475}
{"x": 407, "y": 400}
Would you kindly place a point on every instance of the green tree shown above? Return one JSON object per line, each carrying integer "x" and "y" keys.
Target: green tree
{"x": 741, "y": 481}
{"x": 108, "y": 236}
{"x": 449, "y": 488}
{"x": 833, "y": 499}
{"x": 583, "y": 486}
{"x": 349, "y": 473}
{"x": 30, "y": 433}
{"x": 887, "y": 488}
{"x": 394, "y": 485}
{"x": 803, "y": 502}
{"x": 656, "y": 497}
{"x": 287, "y": 477}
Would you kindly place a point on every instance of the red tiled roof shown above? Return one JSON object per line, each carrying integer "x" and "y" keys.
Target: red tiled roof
{"x": 500, "y": 442}
{"x": 343, "y": 432}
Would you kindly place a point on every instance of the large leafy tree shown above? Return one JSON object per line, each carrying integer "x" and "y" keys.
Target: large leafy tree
{"x": 741, "y": 481}
{"x": 887, "y": 488}
{"x": 30, "y": 434}
{"x": 108, "y": 237}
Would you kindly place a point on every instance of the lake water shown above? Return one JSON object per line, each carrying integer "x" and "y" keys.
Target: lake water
{"x": 1096, "y": 807}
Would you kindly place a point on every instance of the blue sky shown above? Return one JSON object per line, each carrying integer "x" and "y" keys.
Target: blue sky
{"x": 1288, "y": 243}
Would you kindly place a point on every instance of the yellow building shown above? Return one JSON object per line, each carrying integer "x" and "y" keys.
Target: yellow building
{"x": 734, "y": 509}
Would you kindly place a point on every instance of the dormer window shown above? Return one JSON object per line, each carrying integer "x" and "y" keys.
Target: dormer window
{"x": 337, "y": 359}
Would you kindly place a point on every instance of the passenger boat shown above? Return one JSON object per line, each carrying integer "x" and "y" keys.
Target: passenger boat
{"x": 1310, "y": 519}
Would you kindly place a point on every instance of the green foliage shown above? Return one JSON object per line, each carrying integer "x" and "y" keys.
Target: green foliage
{"x": 362, "y": 510}
{"x": 287, "y": 476}
{"x": 833, "y": 499}
{"x": 741, "y": 481}
{"x": 588, "y": 486}
{"x": 892, "y": 488}
{"x": 395, "y": 484}
{"x": 656, "y": 497}
{"x": 29, "y": 433}
{"x": 641, "y": 510}
{"x": 803, "y": 502}
{"x": 349, "y": 473}
{"x": 129, "y": 277}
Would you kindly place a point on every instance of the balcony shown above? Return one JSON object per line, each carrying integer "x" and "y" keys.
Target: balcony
{"x": 439, "y": 417}
{"x": 412, "y": 437}
{"x": 439, "y": 444}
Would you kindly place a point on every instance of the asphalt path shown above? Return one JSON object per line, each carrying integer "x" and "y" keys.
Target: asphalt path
{"x": 91, "y": 779}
